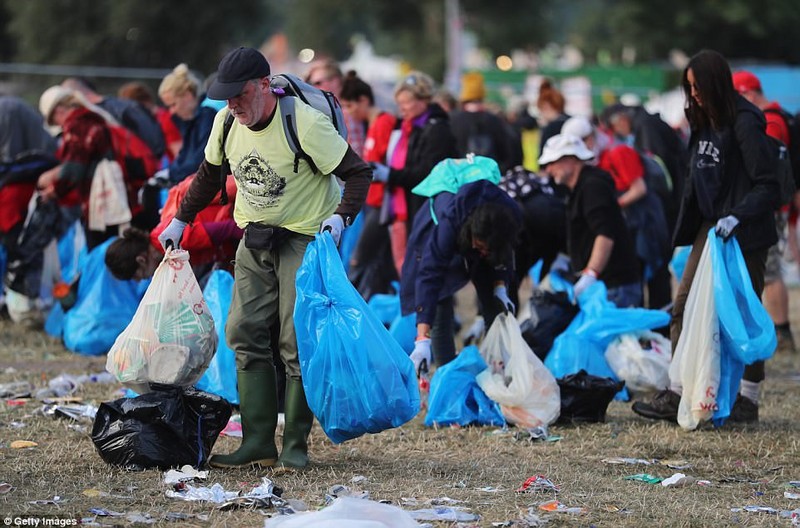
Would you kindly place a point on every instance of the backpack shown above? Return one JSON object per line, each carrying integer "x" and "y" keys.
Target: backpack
{"x": 139, "y": 120}
{"x": 783, "y": 170}
{"x": 136, "y": 159}
{"x": 793, "y": 125}
{"x": 287, "y": 86}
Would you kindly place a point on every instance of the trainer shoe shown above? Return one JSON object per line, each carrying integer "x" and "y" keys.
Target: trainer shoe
{"x": 744, "y": 410}
{"x": 662, "y": 406}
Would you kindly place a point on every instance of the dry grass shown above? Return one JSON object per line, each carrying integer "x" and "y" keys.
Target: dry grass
{"x": 747, "y": 465}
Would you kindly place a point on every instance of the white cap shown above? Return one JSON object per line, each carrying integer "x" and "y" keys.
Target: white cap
{"x": 577, "y": 126}
{"x": 50, "y": 99}
{"x": 562, "y": 145}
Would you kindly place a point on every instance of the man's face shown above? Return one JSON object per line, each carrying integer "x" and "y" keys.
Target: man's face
{"x": 562, "y": 171}
{"x": 621, "y": 125}
{"x": 250, "y": 106}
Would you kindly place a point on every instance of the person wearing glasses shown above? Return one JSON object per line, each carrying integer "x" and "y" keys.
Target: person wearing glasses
{"x": 423, "y": 139}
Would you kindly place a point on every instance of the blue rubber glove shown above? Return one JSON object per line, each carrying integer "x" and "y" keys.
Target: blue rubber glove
{"x": 380, "y": 172}
{"x": 334, "y": 224}
{"x": 421, "y": 356}
{"x": 725, "y": 227}
{"x": 501, "y": 293}
{"x": 172, "y": 234}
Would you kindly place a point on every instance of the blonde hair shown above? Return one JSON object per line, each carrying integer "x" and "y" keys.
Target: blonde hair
{"x": 329, "y": 66}
{"x": 179, "y": 81}
{"x": 418, "y": 84}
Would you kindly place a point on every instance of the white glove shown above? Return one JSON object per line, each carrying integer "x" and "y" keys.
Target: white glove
{"x": 160, "y": 178}
{"x": 172, "y": 234}
{"x": 380, "y": 172}
{"x": 334, "y": 224}
{"x": 501, "y": 293}
{"x": 725, "y": 227}
{"x": 475, "y": 331}
{"x": 421, "y": 356}
{"x": 583, "y": 283}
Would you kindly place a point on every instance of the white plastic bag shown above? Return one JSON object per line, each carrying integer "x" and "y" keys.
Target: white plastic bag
{"x": 108, "y": 199}
{"x": 696, "y": 365}
{"x": 171, "y": 338}
{"x": 641, "y": 359}
{"x": 527, "y": 392}
{"x": 347, "y": 512}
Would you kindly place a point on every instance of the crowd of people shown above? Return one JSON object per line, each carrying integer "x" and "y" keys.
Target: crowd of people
{"x": 607, "y": 198}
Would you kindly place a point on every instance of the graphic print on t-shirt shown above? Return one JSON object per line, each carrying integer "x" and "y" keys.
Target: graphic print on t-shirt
{"x": 259, "y": 184}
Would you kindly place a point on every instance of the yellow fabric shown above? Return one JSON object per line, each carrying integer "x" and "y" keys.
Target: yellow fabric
{"x": 472, "y": 87}
{"x": 267, "y": 189}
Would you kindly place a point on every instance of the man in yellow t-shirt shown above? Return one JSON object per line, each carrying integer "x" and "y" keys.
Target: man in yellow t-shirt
{"x": 280, "y": 209}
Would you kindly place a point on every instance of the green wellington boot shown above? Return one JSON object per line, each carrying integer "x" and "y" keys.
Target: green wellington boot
{"x": 299, "y": 420}
{"x": 258, "y": 404}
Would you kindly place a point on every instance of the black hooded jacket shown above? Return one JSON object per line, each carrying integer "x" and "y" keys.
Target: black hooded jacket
{"x": 742, "y": 161}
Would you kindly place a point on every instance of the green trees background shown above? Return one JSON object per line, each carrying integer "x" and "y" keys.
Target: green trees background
{"x": 160, "y": 33}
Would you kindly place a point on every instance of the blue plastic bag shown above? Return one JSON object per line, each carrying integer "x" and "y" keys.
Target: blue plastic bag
{"x": 583, "y": 344}
{"x": 220, "y": 377}
{"x": 349, "y": 240}
{"x": 747, "y": 333}
{"x": 356, "y": 377}
{"x": 386, "y": 305}
{"x": 404, "y": 330}
{"x": 455, "y": 397}
{"x": 72, "y": 252}
{"x": 104, "y": 307}
{"x": 678, "y": 262}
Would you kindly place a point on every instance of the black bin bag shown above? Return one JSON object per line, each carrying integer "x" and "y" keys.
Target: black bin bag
{"x": 585, "y": 398}
{"x": 551, "y": 314}
{"x": 168, "y": 427}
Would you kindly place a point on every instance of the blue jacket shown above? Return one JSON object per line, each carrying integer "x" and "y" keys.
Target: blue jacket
{"x": 195, "y": 134}
{"x": 433, "y": 268}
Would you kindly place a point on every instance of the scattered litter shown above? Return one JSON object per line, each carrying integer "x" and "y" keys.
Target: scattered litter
{"x": 102, "y": 512}
{"x": 138, "y": 517}
{"x": 790, "y": 495}
{"x": 678, "y": 480}
{"x": 555, "y": 506}
{"x": 93, "y": 493}
{"x": 358, "y": 479}
{"x": 675, "y": 464}
{"x": 538, "y": 484}
{"x": 443, "y": 514}
{"x": 460, "y": 484}
{"x": 73, "y": 412}
{"x": 794, "y": 483}
{"x": 620, "y": 460}
{"x": 234, "y": 427}
{"x": 265, "y": 495}
{"x": 794, "y": 515}
{"x": 613, "y": 508}
{"x": 489, "y": 489}
{"x": 22, "y": 444}
{"x": 61, "y": 385}
{"x": 444, "y": 501}
{"x": 536, "y": 434}
{"x": 16, "y": 389}
{"x": 408, "y": 501}
{"x": 55, "y": 501}
{"x": 16, "y": 403}
{"x": 15, "y": 425}
{"x": 5, "y": 487}
{"x": 186, "y": 474}
{"x": 340, "y": 490}
{"x": 180, "y": 516}
{"x": 644, "y": 477}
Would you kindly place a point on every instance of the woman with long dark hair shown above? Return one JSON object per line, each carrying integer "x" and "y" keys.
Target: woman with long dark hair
{"x": 732, "y": 185}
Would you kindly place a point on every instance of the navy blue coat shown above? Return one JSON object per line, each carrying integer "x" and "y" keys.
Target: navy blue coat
{"x": 433, "y": 268}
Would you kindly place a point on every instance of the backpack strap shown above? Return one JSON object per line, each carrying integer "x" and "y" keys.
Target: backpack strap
{"x": 223, "y": 171}
{"x": 289, "y": 122}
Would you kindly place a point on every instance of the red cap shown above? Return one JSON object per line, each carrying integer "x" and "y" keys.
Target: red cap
{"x": 744, "y": 81}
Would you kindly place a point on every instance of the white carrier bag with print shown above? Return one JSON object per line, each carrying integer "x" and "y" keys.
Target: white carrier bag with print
{"x": 171, "y": 338}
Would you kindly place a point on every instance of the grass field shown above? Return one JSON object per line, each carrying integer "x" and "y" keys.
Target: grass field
{"x": 413, "y": 465}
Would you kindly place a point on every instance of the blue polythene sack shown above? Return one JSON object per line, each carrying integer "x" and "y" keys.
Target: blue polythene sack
{"x": 104, "y": 307}
{"x": 456, "y": 398}
{"x": 356, "y": 377}
{"x": 220, "y": 377}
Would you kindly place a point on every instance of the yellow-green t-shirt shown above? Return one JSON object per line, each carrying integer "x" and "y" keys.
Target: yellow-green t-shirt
{"x": 268, "y": 190}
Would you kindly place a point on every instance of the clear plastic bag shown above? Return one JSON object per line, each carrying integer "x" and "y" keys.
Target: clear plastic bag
{"x": 171, "y": 338}
{"x": 527, "y": 392}
{"x": 641, "y": 359}
{"x": 696, "y": 364}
